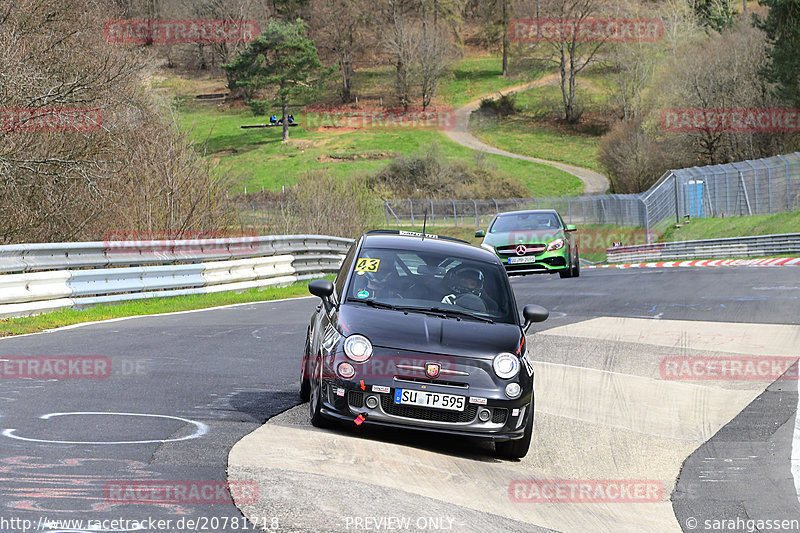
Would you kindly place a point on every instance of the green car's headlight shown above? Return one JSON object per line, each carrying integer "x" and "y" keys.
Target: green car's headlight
{"x": 555, "y": 245}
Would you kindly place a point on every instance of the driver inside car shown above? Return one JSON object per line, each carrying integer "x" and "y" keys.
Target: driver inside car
{"x": 467, "y": 290}
{"x": 382, "y": 283}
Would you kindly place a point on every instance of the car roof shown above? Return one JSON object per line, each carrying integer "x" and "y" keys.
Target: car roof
{"x": 431, "y": 243}
{"x": 529, "y": 212}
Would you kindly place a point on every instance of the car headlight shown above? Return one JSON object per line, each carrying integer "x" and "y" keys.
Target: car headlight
{"x": 358, "y": 348}
{"x": 506, "y": 365}
{"x": 555, "y": 245}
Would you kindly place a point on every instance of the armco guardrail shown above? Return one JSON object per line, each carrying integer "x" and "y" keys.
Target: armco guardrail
{"x": 37, "y": 278}
{"x": 756, "y": 246}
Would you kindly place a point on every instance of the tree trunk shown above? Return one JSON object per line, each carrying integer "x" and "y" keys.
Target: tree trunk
{"x": 505, "y": 37}
{"x": 285, "y": 112}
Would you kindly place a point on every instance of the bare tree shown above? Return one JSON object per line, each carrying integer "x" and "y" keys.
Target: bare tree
{"x": 434, "y": 53}
{"x": 78, "y": 182}
{"x": 401, "y": 43}
{"x": 338, "y": 28}
{"x": 567, "y": 48}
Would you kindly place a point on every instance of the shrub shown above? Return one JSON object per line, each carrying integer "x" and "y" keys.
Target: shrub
{"x": 427, "y": 174}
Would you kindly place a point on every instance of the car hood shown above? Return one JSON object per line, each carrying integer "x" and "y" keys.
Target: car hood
{"x": 419, "y": 332}
{"x": 523, "y": 237}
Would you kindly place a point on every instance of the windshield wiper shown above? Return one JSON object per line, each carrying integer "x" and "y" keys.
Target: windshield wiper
{"x": 447, "y": 312}
{"x": 373, "y": 303}
{"x": 434, "y": 311}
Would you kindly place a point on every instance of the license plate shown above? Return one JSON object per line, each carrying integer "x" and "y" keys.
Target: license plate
{"x": 429, "y": 399}
{"x": 516, "y": 260}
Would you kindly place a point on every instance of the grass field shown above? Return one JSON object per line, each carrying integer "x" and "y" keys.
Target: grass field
{"x": 256, "y": 158}
{"x": 475, "y": 76}
{"x": 536, "y": 130}
{"x": 718, "y": 228}
{"x": 66, "y": 317}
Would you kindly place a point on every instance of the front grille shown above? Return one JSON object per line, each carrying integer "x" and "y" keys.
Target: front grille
{"x": 530, "y": 249}
{"x": 499, "y": 416}
{"x": 423, "y": 413}
{"x": 355, "y": 399}
{"x": 456, "y": 384}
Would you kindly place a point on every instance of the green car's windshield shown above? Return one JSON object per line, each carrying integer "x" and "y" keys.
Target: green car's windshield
{"x": 525, "y": 221}
{"x": 416, "y": 281}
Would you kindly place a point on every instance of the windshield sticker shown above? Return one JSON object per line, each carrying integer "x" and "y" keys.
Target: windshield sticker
{"x": 363, "y": 294}
{"x": 366, "y": 264}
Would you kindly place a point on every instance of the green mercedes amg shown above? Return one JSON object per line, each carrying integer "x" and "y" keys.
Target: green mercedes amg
{"x": 533, "y": 242}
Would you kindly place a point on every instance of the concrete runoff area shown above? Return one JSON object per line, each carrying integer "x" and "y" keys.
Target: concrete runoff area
{"x": 603, "y": 412}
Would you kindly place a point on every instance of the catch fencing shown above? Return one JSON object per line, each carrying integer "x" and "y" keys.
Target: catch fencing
{"x": 37, "y": 278}
{"x": 757, "y": 187}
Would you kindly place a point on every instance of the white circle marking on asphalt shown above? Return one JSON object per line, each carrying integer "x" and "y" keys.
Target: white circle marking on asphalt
{"x": 201, "y": 430}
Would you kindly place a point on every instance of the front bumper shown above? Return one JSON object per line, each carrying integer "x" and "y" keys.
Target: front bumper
{"x": 544, "y": 263}
{"x": 344, "y": 399}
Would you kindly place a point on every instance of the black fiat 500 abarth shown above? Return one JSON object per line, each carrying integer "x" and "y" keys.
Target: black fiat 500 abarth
{"x": 421, "y": 332}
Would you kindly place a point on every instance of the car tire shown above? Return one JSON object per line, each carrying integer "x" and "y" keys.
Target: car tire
{"x": 315, "y": 401}
{"x": 305, "y": 384}
{"x": 576, "y": 269}
{"x": 517, "y": 449}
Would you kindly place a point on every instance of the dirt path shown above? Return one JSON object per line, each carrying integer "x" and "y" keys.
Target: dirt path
{"x": 594, "y": 182}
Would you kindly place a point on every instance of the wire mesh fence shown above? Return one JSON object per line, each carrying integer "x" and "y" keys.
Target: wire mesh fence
{"x": 756, "y": 187}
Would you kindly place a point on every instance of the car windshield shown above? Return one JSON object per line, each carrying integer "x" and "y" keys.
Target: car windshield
{"x": 451, "y": 284}
{"x": 525, "y": 221}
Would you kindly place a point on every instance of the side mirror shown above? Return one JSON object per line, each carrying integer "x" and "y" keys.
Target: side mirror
{"x": 533, "y": 313}
{"x": 480, "y": 233}
{"x": 571, "y": 227}
{"x": 322, "y": 288}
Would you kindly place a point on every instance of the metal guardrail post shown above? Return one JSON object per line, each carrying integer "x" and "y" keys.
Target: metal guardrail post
{"x": 496, "y": 207}
{"x": 475, "y": 203}
{"x": 455, "y": 216}
{"x": 788, "y": 184}
{"x": 677, "y": 201}
{"x": 411, "y": 205}
{"x": 769, "y": 184}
